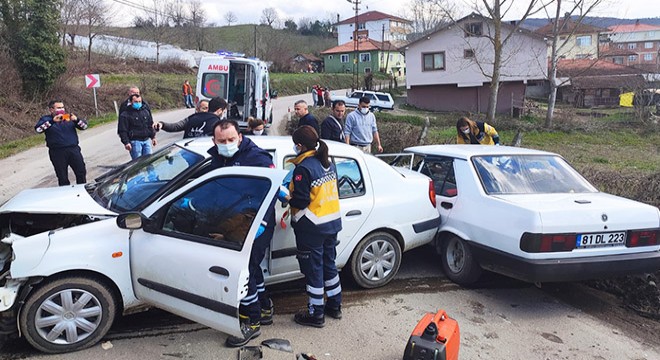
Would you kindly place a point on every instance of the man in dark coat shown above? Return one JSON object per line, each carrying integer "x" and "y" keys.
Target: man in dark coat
{"x": 62, "y": 141}
{"x": 304, "y": 116}
{"x": 126, "y": 104}
{"x": 200, "y": 123}
{"x": 136, "y": 128}
{"x": 331, "y": 128}
{"x": 232, "y": 149}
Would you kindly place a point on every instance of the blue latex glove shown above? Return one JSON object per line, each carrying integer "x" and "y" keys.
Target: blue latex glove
{"x": 282, "y": 194}
{"x": 260, "y": 230}
{"x": 287, "y": 179}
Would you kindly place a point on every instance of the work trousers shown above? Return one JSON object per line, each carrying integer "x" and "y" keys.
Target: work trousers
{"x": 64, "y": 157}
{"x": 316, "y": 256}
{"x": 256, "y": 296}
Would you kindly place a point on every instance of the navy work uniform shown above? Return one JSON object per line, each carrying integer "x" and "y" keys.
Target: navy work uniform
{"x": 316, "y": 220}
{"x": 63, "y": 149}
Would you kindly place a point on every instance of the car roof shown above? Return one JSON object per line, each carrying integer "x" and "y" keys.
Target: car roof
{"x": 463, "y": 151}
{"x": 201, "y": 145}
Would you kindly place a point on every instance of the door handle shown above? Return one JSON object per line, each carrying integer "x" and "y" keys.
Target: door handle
{"x": 446, "y": 205}
{"x": 219, "y": 270}
{"x": 354, "y": 213}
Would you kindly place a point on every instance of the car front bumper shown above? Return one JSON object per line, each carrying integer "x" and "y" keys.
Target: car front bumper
{"x": 558, "y": 270}
{"x": 8, "y": 294}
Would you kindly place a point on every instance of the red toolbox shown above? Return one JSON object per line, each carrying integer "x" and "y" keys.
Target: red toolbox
{"x": 436, "y": 337}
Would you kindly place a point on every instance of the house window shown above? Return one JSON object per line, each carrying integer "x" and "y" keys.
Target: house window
{"x": 329, "y": 57}
{"x": 468, "y": 53}
{"x": 362, "y": 26}
{"x": 582, "y": 56}
{"x": 648, "y": 57}
{"x": 365, "y": 57}
{"x": 620, "y": 46}
{"x": 562, "y": 38}
{"x": 632, "y": 46}
{"x": 367, "y": 70}
{"x": 583, "y": 40}
{"x": 617, "y": 59}
{"x": 343, "y": 58}
{"x": 648, "y": 45}
{"x": 632, "y": 58}
{"x": 434, "y": 61}
{"x": 473, "y": 29}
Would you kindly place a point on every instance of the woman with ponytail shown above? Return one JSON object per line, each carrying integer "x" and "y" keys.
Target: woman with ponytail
{"x": 316, "y": 220}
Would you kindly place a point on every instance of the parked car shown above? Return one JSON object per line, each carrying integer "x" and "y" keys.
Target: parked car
{"x": 379, "y": 100}
{"x": 529, "y": 215}
{"x": 165, "y": 231}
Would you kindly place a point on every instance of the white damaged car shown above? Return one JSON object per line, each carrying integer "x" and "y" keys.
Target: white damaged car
{"x": 529, "y": 215}
{"x": 165, "y": 231}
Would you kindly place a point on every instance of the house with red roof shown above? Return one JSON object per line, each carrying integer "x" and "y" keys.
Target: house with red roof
{"x": 372, "y": 56}
{"x": 575, "y": 40}
{"x": 374, "y": 25}
{"x": 635, "y": 44}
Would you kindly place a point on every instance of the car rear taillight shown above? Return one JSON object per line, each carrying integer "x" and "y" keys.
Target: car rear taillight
{"x": 539, "y": 243}
{"x": 432, "y": 193}
{"x": 643, "y": 238}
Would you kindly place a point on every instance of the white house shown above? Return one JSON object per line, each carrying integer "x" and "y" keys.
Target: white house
{"x": 374, "y": 25}
{"x": 445, "y": 68}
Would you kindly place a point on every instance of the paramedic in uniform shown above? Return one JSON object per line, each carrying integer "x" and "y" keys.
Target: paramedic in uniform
{"x": 476, "y": 132}
{"x": 316, "y": 221}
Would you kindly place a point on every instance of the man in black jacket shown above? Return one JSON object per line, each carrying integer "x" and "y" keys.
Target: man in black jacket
{"x": 62, "y": 141}
{"x": 331, "y": 127}
{"x": 200, "y": 123}
{"x": 136, "y": 128}
{"x": 233, "y": 149}
{"x": 304, "y": 116}
{"x": 126, "y": 104}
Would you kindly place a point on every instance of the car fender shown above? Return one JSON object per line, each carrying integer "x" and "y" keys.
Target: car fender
{"x": 72, "y": 249}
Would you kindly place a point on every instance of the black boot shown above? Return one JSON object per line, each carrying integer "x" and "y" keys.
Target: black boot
{"x": 250, "y": 331}
{"x": 310, "y": 317}
{"x": 334, "y": 313}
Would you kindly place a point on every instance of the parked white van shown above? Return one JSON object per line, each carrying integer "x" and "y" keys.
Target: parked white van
{"x": 243, "y": 82}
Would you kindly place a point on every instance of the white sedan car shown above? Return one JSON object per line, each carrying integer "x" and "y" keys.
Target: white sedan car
{"x": 378, "y": 100}
{"x": 165, "y": 231}
{"x": 529, "y": 215}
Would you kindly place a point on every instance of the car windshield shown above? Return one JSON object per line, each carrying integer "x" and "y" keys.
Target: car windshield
{"x": 529, "y": 174}
{"x": 126, "y": 189}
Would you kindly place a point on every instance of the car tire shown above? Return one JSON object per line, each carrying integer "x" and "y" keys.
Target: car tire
{"x": 375, "y": 109}
{"x": 67, "y": 314}
{"x": 458, "y": 262}
{"x": 376, "y": 260}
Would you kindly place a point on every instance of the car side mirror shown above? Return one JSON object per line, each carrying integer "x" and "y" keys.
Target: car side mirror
{"x": 273, "y": 94}
{"x": 130, "y": 221}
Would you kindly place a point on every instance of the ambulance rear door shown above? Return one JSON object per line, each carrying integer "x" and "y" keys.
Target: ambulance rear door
{"x": 212, "y": 78}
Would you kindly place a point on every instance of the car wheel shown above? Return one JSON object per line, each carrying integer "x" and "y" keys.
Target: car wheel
{"x": 376, "y": 260}
{"x": 375, "y": 109}
{"x": 458, "y": 262}
{"x": 67, "y": 314}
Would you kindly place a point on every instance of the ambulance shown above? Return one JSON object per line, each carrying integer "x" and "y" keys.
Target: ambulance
{"x": 243, "y": 82}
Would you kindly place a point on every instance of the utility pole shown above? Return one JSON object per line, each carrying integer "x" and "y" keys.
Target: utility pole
{"x": 255, "y": 41}
{"x": 356, "y": 45}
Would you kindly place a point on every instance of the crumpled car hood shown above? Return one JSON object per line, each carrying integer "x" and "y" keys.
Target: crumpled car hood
{"x": 56, "y": 200}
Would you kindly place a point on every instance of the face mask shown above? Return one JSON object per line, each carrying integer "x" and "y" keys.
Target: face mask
{"x": 227, "y": 150}
{"x": 466, "y": 131}
{"x": 257, "y": 132}
{"x": 296, "y": 149}
{"x": 137, "y": 105}
{"x": 364, "y": 111}
{"x": 60, "y": 112}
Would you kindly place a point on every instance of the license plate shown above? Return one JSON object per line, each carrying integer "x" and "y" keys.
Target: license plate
{"x": 600, "y": 240}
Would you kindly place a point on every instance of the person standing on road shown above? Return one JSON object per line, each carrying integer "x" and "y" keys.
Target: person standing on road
{"x": 331, "y": 126}
{"x": 133, "y": 90}
{"x": 187, "y": 95}
{"x": 315, "y": 95}
{"x": 62, "y": 142}
{"x": 476, "y": 132}
{"x": 136, "y": 128}
{"x": 200, "y": 123}
{"x": 256, "y": 308}
{"x": 360, "y": 129}
{"x": 304, "y": 116}
{"x": 316, "y": 220}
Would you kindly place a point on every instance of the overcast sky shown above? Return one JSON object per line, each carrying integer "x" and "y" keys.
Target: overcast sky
{"x": 249, "y": 11}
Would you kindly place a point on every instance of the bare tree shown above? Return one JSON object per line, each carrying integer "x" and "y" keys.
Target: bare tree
{"x": 177, "y": 12}
{"x": 230, "y": 18}
{"x": 156, "y": 24}
{"x": 71, "y": 20}
{"x": 94, "y": 16}
{"x": 578, "y": 9}
{"x": 197, "y": 23}
{"x": 496, "y": 10}
{"x": 269, "y": 17}
{"x": 426, "y": 15}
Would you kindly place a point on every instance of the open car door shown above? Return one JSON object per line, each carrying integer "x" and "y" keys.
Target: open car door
{"x": 190, "y": 257}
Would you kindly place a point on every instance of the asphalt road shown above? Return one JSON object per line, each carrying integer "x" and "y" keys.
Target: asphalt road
{"x": 499, "y": 319}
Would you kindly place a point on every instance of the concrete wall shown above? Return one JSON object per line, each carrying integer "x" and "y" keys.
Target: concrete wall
{"x": 465, "y": 99}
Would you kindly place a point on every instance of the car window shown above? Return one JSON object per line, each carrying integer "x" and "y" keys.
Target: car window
{"x": 372, "y": 97}
{"x": 383, "y": 97}
{"x": 214, "y": 85}
{"x": 349, "y": 178}
{"x": 219, "y": 212}
{"x": 356, "y": 95}
{"x": 529, "y": 174}
{"x": 441, "y": 170}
